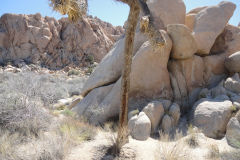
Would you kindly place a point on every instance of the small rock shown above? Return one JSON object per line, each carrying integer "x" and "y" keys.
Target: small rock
{"x": 233, "y": 84}
{"x": 167, "y": 123}
{"x": 142, "y": 127}
{"x": 175, "y": 113}
{"x": 166, "y": 104}
{"x": 233, "y": 132}
{"x": 66, "y": 101}
{"x": 154, "y": 111}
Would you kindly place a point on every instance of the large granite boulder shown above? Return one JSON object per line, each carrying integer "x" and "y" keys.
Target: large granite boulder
{"x": 211, "y": 116}
{"x": 110, "y": 68}
{"x": 184, "y": 45}
{"x": 228, "y": 42}
{"x": 209, "y": 24}
{"x": 167, "y": 12}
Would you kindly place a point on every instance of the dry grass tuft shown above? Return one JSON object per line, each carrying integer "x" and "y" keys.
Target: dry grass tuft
{"x": 75, "y": 131}
{"x": 171, "y": 147}
{"x": 213, "y": 152}
{"x": 164, "y": 137}
{"x": 172, "y": 152}
{"x": 192, "y": 140}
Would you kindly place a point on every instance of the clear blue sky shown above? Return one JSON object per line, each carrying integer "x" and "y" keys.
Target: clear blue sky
{"x": 107, "y": 10}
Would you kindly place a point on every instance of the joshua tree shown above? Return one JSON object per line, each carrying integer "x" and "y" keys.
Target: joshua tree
{"x": 75, "y": 9}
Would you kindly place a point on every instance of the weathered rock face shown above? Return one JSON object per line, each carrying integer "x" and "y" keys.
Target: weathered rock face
{"x": 110, "y": 68}
{"x": 228, "y": 41}
{"x": 186, "y": 76}
{"x": 212, "y": 115}
{"x": 233, "y": 84}
{"x": 232, "y": 62}
{"x": 160, "y": 10}
{"x": 53, "y": 43}
{"x": 190, "y": 18}
{"x": 209, "y": 23}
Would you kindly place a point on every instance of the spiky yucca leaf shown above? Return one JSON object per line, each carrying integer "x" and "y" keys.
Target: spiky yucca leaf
{"x": 75, "y": 9}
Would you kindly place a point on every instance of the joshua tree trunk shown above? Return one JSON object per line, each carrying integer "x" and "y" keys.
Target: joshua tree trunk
{"x": 157, "y": 40}
{"x": 125, "y": 84}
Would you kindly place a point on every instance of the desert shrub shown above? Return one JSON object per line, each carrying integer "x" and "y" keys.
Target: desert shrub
{"x": 90, "y": 59}
{"x": 73, "y": 72}
{"x": 89, "y": 70}
{"x": 46, "y": 88}
{"x": 50, "y": 147}
{"x": 68, "y": 112}
{"x": 51, "y": 150}
{"x": 20, "y": 114}
{"x": 35, "y": 86}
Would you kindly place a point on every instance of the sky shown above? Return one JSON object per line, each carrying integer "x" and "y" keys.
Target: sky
{"x": 108, "y": 10}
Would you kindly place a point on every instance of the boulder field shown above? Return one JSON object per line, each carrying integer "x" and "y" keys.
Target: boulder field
{"x": 187, "y": 75}
{"x": 55, "y": 43}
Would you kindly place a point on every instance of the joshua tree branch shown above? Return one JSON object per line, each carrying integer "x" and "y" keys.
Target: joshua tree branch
{"x": 147, "y": 26}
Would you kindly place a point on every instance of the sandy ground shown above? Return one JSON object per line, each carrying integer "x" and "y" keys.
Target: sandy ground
{"x": 153, "y": 149}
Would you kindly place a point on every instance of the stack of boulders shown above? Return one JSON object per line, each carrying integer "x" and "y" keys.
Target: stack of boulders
{"x": 216, "y": 106}
{"x": 198, "y": 55}
{"x": 55, "y": 43}
{"x": 161, "y": 113}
